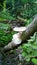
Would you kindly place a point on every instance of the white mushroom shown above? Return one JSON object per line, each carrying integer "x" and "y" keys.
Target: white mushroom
{"x": 16, "y": 40}
{"x": 17, "y": 37}
{"x": 19, "y": 29}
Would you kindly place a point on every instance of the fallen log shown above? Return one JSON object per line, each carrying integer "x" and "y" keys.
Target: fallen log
{"x": 24, "y": 36}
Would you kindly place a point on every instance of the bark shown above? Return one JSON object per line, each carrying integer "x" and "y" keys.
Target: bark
{"x": 30, "y": 30}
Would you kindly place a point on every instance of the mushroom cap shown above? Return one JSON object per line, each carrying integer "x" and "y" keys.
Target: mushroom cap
{"x": 19, "y": 29}
{"x": 16, "y": 38}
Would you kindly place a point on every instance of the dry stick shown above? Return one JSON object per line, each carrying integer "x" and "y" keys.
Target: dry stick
{"x": 31, "y": 28}
{"x": 21, "y": 19}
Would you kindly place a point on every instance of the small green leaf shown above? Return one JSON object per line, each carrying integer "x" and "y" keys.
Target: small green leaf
{"x": 34, "y": 60}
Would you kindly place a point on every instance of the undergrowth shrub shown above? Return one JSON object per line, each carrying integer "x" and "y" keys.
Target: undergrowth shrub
{"x": 29, "y": 52}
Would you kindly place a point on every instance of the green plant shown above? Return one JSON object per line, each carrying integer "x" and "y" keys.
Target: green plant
{"x": 5, "y": 15}
{"x": 5, "y": 34}
{"x": 30, "y": 49}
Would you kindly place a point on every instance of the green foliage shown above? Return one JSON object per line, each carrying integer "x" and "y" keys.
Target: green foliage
{"x": 5, "y": 15}
{"x": 25, "y": 8}
{"x": 24, "y": 1}
{"x": 28, "y": 21}
{"x": 5, "y": 34}
{"x": 30, "y": 49}
{"x": 34, "y": 60}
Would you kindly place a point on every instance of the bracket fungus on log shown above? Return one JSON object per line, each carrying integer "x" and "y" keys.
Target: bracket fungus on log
{"x": 16, "y": 38}
{"x": 19, "y": 29}
{"x": 24, "y": 36}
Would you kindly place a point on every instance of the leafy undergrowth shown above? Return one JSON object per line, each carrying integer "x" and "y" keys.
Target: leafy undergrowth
{"x": 28, "y": 21}
{"x": 5, "y": 34}
{"x": 5, "y": 15}
{"x": 30, "y": 49}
